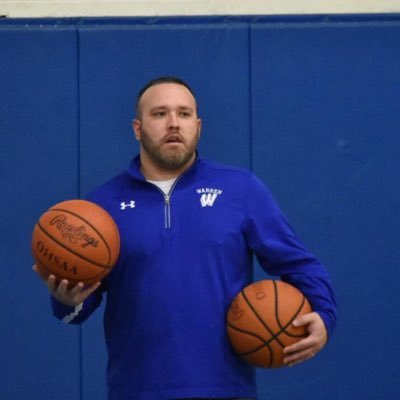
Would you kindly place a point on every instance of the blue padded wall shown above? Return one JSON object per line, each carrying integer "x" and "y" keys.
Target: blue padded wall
{"x": 310, "y": 103}
{"x": 39, "y": 167}
{"x": 325, "y": 128}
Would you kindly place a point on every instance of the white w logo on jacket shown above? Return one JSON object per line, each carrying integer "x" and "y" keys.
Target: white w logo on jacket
{"x": 207, "y": 199}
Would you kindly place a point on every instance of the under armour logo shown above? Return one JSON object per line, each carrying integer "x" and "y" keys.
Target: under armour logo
{"x": 125, "y": 205}
{"x": 208, "y": 196}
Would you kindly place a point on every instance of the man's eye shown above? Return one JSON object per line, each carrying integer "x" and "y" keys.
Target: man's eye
{"x": 159, "y": 113}
{"x": 185, "y": 114}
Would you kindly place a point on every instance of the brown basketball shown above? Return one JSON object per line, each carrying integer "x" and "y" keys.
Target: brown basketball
{"x": 259, "y": 321}
{"x": 76, "y": 240}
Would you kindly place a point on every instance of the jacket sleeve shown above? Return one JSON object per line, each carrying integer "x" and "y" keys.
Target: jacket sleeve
{"x": 281, "y": 253}
{"x": 79, "y": 313}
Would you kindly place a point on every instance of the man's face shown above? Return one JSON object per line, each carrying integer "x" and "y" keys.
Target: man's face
{"x": 168, "y": 128}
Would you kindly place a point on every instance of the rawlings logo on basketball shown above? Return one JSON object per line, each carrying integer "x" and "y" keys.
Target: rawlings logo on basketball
{"x": 73, "y": 234}
{"x": 76, "y": 240}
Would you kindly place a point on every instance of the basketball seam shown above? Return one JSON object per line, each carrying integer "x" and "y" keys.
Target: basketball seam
{"x": 283, "y": 327}
{"x": 70, "y": 280}
{"x": 265, "y": 343}
{"x": 95, "y": 229}
{"x": 274, "y": 336}
{"x": 246, "y": 332}
{"x": 72, "y": 251}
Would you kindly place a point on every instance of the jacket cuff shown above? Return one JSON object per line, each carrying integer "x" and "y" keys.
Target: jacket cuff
{"x": 63, "y": 312}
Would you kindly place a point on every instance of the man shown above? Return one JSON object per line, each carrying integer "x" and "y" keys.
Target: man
{"x": 187, "y": 241}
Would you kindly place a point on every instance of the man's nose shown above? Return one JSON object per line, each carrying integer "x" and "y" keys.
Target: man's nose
{"x": 173, "y": 121}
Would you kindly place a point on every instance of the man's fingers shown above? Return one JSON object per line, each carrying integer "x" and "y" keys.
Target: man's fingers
{"x": 300, "y": 351}
{"x": 62, "y": 288}
{"x": 303, "y": 320}
{"x": 304, "y": 344}
{"x": 77, "y": 289}
{"x": 79, "y": 292}
{"x": 39, "y": 274}
{"x": 298, "y": 357}
{"x": 63, "y": 292}
{"x": 51, "y": 284}
{"x": 306, "y": 348}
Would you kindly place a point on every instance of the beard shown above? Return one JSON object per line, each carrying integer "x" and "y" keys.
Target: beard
{"x": 172, "y": 158}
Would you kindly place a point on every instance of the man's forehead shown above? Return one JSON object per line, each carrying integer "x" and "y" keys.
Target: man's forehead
{"x": 167, "y": 92}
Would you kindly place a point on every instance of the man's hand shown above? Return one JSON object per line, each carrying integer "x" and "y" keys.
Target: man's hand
{"x": 68, "y": 296}
{"x": 308, "y": 347}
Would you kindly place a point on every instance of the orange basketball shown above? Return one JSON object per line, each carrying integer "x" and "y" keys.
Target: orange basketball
{"x": 76, "y": 240}
{"x": 259, "y": 321}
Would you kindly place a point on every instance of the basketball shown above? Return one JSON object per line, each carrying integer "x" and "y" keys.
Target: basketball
{"x": 75, "y": 240}
{"x": 259, "y": 322}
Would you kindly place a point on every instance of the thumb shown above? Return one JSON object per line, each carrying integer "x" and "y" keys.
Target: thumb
{"x": 302, "y": 320}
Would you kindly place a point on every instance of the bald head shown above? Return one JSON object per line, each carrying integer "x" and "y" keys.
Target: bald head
{"x": 161, "y": 81}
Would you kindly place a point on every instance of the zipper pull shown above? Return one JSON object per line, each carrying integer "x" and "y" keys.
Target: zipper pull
{"x": 167, "y": 197}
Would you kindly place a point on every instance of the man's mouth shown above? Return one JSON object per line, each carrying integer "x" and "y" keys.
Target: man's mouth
{"x": 173, "y": 139}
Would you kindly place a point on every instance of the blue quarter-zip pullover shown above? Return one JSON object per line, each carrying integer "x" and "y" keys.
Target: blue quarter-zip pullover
{"x": 184, "y": 257}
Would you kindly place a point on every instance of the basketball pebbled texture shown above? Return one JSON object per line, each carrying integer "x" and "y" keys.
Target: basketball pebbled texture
{"x": 259, "y": 321}
{"x": 76, "y": 240}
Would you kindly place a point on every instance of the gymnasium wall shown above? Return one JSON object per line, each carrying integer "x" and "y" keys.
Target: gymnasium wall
{"x": 310, "y": 103}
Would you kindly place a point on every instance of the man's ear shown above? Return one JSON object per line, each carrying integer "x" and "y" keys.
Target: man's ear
{"x": 199, "y": 124}
{"x": 136, "y": 126}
